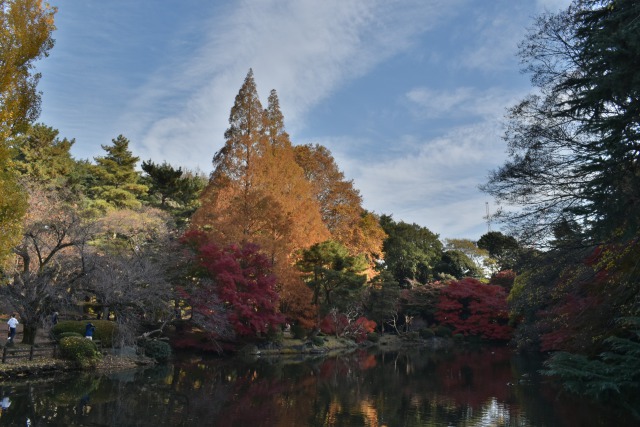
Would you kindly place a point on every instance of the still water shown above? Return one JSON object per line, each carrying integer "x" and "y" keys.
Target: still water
{"x": 481, "y": 387}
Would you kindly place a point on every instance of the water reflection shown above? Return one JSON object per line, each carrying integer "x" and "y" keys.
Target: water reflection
{"x": 487, "y": 387}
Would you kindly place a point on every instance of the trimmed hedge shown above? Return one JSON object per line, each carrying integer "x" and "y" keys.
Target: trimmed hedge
{"x": 427, "y": 333}
{"x": 158, "y": 350}
{"x": 443, "y": 332}
{"x": 105, "y": 330}
{"x": 80, "y": 350}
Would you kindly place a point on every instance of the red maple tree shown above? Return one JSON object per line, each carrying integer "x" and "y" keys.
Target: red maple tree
{"x": 471, "y": 307}
{"x": 242, "y": 284}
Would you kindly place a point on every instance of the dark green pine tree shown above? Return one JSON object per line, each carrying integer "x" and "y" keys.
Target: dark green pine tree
{"x": 163, "y": 181}
{"x": 43, "y": 157}
{"x": 173, "y": 189}
{"x": 118, "y": 183}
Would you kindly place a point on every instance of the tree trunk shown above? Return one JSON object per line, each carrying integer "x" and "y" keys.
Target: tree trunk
{"x": 29, "y": 333}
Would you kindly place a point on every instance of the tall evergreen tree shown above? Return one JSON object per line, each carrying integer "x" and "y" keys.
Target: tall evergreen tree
{"x": 574, "y": 175}
{"x": 118, "y": 183}
{"x": 574, "y": 144}
{"x": 43, "y": 157}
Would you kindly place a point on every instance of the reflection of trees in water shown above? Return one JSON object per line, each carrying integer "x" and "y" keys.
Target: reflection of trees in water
{"x": 410, "y": 388}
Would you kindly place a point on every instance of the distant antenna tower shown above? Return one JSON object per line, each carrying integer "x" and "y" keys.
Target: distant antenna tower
{"x": 488, "y": 217}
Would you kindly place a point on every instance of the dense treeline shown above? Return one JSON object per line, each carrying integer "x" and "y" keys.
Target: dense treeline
{"x": 277, "y": 235}
{"x": 574, "y": 175}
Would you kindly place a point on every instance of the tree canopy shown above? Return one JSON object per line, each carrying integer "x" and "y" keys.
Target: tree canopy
{"x": 573, "y": 145}
{"x": 25, "y": 37}
{"x": 118, "y": 182}
{"x": 411, "y": 251}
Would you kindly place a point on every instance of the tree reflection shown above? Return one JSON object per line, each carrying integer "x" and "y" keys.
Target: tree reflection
{"x": 409, "y": 388}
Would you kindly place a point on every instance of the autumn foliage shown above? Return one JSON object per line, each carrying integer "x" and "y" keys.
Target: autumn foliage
{"x": 577, "y": 316}
{"x": 242, "y": 287}
{"x": 340, "y": 325}
{"x": 504, "y": 278}
{"x": 472, "y": 308}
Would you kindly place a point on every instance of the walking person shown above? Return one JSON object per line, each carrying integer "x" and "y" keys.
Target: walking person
{"x": 13, "y": 324}
{"x": 88, "y": 331}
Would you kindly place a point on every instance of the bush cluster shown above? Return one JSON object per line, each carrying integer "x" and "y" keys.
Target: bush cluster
{"x": 298, "y": 332}
{"x": 80, "y": 350}
{"x": 427, "y": 333}
{"x": 158, "y": 350}
{"x": 443, "y": 332}
{"x": 105, "y": 330}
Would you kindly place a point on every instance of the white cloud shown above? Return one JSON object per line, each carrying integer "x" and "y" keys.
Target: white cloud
{"x": 552, "y": 5}
{"x": 463, "y": 101}
{"x": 304, "y": 49}
{"x": 437, "y": 185}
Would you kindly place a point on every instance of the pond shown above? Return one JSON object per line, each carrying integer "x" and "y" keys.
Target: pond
{"x": 480, "y": 387}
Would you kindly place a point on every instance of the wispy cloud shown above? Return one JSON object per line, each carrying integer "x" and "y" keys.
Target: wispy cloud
{"x": 437, "y": 184}
{"x": 460, "y": 102}
{"x": 304, "y": 49}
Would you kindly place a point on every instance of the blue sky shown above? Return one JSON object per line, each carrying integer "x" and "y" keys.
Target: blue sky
{"x": 408, "y": 95}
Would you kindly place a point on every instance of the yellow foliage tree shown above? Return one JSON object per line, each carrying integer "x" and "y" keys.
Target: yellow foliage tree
{"x": 25, "y": 36}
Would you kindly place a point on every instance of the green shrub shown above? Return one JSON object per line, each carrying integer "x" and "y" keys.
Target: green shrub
{"x": 274, "y": 335}
{"x": 105, "y": 331}
{"x": 158, "y": 350}
{"x": 298, "y": 332}
{"x": 427, "y": 333}
{"x": 373, "y": 337}
{"x": 317, "y": 341}
{"x": 80, "y": 350}
{"x": 412, "y": 336}
{"x": 69, "y": 334}
{"x": 458, "y": 337}
{"x": 443, "y": 332}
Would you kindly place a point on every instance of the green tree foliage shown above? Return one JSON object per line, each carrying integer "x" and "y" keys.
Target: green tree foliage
{"x": 457, "y": 264}
{"x": 574, "y": 175}
{"x": 118, "y": 183}
{"x": 163, "y": 181}
{"x": 25, "y": 37}
{"x": 503, "y": 248}
{"x": 173, "y": 189}
{"x": 43, "y": 157}
{"x": 336, "y": 277}
{"x": 411, "y": 252}
{"x": 381, "y": 298}
{"x": 476, "y": 254}
{"x": 574, "y": 145}
{"x": 614, "y": 376}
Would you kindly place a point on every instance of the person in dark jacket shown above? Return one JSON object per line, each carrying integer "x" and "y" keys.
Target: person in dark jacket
{"x": 89, "y": 330}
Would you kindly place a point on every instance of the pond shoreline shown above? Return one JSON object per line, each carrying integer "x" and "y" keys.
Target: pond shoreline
{"x": 47, "y": 366}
